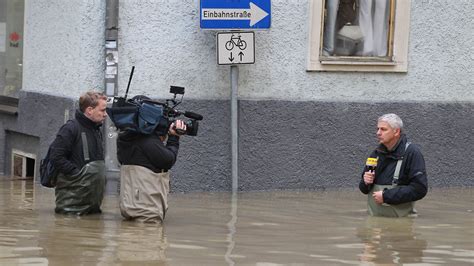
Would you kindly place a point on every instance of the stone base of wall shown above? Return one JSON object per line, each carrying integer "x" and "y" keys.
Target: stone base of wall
{"x": 34, "y": 127}
{"x": 282, "y": 145}
{"x": 325, "y": 144}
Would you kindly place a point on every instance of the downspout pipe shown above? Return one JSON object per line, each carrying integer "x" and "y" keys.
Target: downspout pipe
{"x": 111, "y": 47}
{"x": 111, "y": 89}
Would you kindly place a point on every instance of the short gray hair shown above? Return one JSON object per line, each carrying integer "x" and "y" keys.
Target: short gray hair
{"x": 393, "y": 120}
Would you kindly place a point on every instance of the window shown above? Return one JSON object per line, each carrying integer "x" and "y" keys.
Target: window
{"x": 11, "y": 46}
{"x": 359, "y": 35}
{"x": 23, "y": 165}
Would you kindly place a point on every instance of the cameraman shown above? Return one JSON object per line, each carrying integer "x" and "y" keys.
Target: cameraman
{"x": 144, "y": 176}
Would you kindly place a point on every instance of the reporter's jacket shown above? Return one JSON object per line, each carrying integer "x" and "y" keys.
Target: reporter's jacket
{"x": 147, "y": 150}
{"x": 67, "y": 151}
{"x": 412, "y": 184}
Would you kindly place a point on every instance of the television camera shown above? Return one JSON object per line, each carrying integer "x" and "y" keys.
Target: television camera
{"x": 146, "y": 116}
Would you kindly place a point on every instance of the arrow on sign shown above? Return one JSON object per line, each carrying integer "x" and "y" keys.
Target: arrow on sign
{"x": 253, "y": 13}
{"x": 241, "y": 55}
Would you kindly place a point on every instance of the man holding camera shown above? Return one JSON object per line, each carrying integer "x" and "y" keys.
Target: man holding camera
{"x": 395, "y": 175}
{"x": 144, "y": 173}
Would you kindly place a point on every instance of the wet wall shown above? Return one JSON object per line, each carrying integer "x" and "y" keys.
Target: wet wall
{"x": 285, "y": 144}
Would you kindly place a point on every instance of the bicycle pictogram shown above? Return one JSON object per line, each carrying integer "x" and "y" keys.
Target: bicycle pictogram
{"x": 237, "y": 41}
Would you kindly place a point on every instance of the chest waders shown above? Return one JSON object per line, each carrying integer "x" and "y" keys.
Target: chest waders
{"x": 387, "y": 210}
{"x": 81, "y": 193}
{"x": 143, "y": 193}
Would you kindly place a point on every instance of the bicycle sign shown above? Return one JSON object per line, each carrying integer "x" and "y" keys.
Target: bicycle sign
{"x": 237, "y": 41}
{"x": 235, "y": 48}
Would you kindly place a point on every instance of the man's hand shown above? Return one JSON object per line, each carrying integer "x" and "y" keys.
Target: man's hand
{"x": 177, "y": 126}
{"x": 378, "y": 197}
{"x": 369, "y": 177}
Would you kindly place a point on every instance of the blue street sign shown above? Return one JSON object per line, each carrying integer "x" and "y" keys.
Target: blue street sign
{"x": 235, "y": 14}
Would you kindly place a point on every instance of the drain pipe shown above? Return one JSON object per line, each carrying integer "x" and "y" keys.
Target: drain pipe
{"x": 111, "y": 81}
{"x": 111, "y": 47}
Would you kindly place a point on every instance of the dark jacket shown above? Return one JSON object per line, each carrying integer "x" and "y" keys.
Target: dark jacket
{"x": 66, "y": 150}
{"x": 147, "y": 150}
{"x": 412, "y": 183}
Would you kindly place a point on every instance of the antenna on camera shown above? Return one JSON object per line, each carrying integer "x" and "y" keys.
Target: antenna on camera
{"x": 129, "y": 81}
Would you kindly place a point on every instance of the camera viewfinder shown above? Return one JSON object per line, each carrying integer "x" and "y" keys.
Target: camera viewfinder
{"x": 176, "y": 90}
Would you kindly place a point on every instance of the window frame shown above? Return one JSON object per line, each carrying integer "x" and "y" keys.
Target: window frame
{"x": 399, "y": 37}
{"x": 6, "y": 90}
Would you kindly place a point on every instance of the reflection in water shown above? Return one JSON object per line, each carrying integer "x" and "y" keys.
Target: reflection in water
{"x": 263, "y": 228}
{"x": 22, "y": 193}
{"x": 143, "y": 243}
{"x": 388, "y": 240}
{"x": 105, "y": 238}
{"x": 231, "y": 226}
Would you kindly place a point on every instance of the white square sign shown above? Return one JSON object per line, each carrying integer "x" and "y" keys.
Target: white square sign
{"x": 235, "y": 48}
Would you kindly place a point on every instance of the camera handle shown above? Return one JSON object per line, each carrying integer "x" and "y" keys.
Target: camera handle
{"x": 129, "y": 81}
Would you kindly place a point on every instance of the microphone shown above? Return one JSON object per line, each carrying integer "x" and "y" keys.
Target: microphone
{"x": 371, "y": 164}
{"x": 193, "y": 115}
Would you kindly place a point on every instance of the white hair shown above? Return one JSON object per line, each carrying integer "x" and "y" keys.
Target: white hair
{"x": 393, "y": 120}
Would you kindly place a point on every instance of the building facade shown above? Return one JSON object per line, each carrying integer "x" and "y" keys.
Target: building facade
{"x": 306, "y": 119}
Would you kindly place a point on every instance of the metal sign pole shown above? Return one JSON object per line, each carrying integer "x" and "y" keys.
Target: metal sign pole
{"x": 234, "y": 77}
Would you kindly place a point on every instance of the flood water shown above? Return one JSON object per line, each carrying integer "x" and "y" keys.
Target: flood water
{"x": 253, "y": 228}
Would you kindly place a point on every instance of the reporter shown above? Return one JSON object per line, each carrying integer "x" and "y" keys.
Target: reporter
{"x": 144, "y": 173}
{"x": 400, "y": 176}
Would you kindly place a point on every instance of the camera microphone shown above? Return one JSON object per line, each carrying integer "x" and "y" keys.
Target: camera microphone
{"x": 371, "y": 164}
{"x": 193, "y": 115}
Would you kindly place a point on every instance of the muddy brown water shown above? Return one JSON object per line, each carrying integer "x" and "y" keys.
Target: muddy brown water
{"x": 252, "y": 228}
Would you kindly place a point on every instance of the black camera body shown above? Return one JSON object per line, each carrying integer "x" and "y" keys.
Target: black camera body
{"x": 146, "y": 116}
{"x": 143, "y": 115}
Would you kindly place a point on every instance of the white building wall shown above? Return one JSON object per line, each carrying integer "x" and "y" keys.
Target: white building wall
{"x": 64, "y": 46}
{"x": 162, "y": 38}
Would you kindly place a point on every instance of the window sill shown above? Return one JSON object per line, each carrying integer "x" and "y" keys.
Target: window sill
{"x": 357, "y": 63}
{"x": 8, "y": 105}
